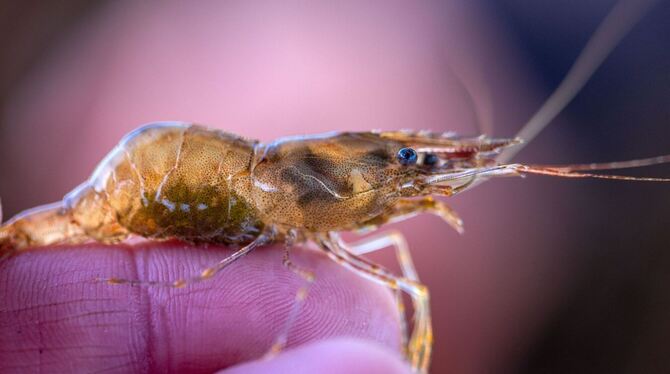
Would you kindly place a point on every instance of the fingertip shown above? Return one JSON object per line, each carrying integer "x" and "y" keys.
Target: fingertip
{"x": 338, "y": 355}
{"x": 232, "y": 318}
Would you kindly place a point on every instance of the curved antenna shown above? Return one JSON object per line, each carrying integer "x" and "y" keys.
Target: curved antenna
{"x": 609, "y": 33}
{"x": 484, "y": 127}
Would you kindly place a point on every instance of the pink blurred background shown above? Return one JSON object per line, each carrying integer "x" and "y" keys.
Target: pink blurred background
{"x": 551, "y": 275}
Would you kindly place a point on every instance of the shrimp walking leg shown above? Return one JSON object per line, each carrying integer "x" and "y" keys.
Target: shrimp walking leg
{"x": 300, "y": 296}
{"x": 206, "y": 273}
{"x": 420, "y": 343}
{"x": 392, "y": 239}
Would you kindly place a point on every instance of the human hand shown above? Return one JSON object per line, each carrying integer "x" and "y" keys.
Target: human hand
{"x": 55, "y": 317}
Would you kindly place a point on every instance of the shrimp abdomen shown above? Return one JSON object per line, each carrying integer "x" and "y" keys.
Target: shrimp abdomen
{"x": 182, "y": 181}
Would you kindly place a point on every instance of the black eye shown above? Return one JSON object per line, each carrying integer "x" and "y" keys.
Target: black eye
{"x": 430, "y": 159}
{"x": 407, "y": 156}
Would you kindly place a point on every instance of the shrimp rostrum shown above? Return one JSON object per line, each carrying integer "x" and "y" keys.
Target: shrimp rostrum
{"x": 183, "y": 181}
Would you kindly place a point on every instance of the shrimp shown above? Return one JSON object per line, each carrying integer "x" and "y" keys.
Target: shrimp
{"x": 184, "y": 181}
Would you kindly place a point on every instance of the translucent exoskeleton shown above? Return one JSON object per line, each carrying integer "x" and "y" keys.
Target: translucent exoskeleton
{"x": 184, "y": 181}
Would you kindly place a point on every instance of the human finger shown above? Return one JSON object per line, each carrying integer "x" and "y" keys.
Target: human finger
{"x": 55, "y": 316}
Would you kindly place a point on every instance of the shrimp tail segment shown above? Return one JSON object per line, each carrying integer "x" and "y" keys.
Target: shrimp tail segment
{"x": 6, "y": 245}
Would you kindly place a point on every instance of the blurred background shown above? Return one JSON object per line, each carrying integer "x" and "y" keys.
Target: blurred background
{"x": 552, "y": 275}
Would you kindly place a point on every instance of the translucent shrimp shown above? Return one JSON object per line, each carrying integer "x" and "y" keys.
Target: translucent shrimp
{"x": 184, "y": 181}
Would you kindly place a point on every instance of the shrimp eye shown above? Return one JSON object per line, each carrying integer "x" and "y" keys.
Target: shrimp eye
{"x": 407, "y": 156}
{"x": 430, "y": 159}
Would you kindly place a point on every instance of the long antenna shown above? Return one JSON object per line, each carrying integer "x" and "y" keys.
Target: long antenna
{"x": 530, "y": 169}
{"x": 609, "y": 33}
{"x": 609, "y": 165}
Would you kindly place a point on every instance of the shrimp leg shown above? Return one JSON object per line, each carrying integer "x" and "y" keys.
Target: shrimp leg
{"x": 421, "y": 341}
{"x": 392, "y": 239}
{"x": 300, "y": 296}
{"x": 206, "y": 273}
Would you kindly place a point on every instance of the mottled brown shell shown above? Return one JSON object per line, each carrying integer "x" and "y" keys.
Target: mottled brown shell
{"x": 181, "y": 181}
{"x": 324, "y": 183}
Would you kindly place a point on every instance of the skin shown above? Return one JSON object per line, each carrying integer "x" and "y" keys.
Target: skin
{"x": 57, "y": 320}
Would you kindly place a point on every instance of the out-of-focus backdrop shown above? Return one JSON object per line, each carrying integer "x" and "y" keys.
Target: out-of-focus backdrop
{"x": 551, "y": 275}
